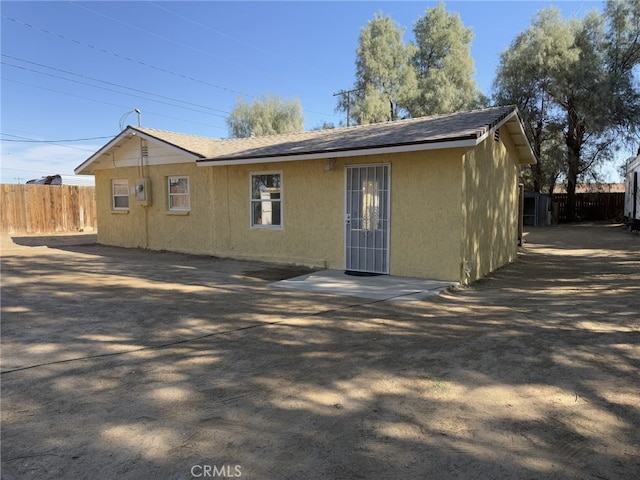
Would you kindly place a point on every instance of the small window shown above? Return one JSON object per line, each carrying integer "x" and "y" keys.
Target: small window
{"x": 179, "y": 193}
{"x": 120, "y": 189}
{"x": 266, "y": 200}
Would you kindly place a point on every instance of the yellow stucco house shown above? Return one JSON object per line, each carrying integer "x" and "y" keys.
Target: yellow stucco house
{"x": 433, "y": 197}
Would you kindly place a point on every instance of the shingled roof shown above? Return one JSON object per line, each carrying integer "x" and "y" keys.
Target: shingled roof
{"x": 412, "y": 134}
{"x": 463, "y": 129}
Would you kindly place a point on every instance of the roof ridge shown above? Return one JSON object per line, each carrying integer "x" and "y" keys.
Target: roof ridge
{"x": 149, "y": 129}
{"x": 376, "y": 124}
{"x": 330, "y": 130}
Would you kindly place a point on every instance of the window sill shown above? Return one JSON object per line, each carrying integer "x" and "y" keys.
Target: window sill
{"x": 120, "y": 212}
{"x": 179, "y": 213}
{"x": 267, "y": 229}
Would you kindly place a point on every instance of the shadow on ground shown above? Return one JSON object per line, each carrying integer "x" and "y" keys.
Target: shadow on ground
{"x": 139, "y": 364}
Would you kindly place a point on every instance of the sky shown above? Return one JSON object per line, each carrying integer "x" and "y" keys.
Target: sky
{"x": 73, "y": 73}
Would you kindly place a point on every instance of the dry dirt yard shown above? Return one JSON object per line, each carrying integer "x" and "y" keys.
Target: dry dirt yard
{"x": 133, "y": 364}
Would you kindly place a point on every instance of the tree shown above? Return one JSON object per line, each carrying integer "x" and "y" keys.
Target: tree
{"x": 523, "y": 78}
{"x": 268, "y": 115}
{"x": 385, "y": 79}
{"x": 577, "y": 77}
{"x": 622, "y": 43}
{"x": 443, "y": 64}
{"x": 397, "y": 80}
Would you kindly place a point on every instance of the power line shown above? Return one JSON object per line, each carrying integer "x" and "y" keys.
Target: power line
{"x": 171, "y": 40}
{"x": 111, "y": 83}
{"x": 223, "y": 34}
{"x": 348, "y": 93}
{"x": 110, "y": 89}
{"x": 33, "y": 140}
{"x": 122, "y": 57}
{"x": 128, "y": 107}
{"x": 139, "y": 62}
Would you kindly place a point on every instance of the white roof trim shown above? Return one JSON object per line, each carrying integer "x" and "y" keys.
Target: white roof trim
{"x": 524, "y": 150}
{"x": 127, "y": 134}
{"x": 467, "y": 143}
{"x": 115, "y": 141}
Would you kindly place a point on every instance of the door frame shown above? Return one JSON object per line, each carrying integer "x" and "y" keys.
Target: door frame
{"x": 387, "y": 215}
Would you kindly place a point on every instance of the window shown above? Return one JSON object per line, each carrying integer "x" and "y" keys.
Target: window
{"x": 266, "y": 200}
{"x": 178, "y": 193}
{"x": 120, "y": 191}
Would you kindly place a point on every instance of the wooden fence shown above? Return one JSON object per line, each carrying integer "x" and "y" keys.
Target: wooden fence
{"x": 31, "y": 209}
{"x": 592, "y": 206}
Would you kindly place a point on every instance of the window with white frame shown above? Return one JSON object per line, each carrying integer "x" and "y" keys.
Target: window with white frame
{"x": 120, "y": 194}
{"x": 178, "y": 193}
{"x": 266, "y": 200}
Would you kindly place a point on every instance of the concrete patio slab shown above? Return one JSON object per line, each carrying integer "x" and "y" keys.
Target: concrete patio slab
{"x": 377, "y": 287}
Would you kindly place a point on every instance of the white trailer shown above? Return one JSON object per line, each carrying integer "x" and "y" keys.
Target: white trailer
{"x": 632, "y": 193}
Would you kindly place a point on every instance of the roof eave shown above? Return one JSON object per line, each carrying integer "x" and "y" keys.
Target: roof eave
{"x": 526, "y": 155}
{"x": 85, "y": 167}
{"x": 468, "y": 142}
{"x": 148, "y": 136}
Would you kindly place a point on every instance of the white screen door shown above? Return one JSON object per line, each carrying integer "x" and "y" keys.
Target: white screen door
{"x": 367, "y": 219}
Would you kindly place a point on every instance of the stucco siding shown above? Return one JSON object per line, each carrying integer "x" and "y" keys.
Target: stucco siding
{"x": 426, "y": 214}
{"x": 312, "y": 205}
{"x": 490, "y": 208}
{"x": 425, "y": 226}
{"x": 154, "y": 226}
{"x": 449, "y": 210}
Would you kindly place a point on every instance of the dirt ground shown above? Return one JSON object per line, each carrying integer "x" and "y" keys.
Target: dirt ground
{"x": 132, "y": 364}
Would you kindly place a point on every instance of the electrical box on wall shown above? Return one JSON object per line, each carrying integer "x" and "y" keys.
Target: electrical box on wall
{"x": 143, "y": 191}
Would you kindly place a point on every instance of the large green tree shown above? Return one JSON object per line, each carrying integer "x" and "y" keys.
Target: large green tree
{"x": 444, "y": 65}
{"x": 523, "y": 78}
{"x": 385, "y": 78}
{"x": 395, "y": 79}
{"x": 268, "y": 115}
{"x": 575, "y": 77}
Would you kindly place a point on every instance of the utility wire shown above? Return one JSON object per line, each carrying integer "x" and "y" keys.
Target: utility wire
{"x": 140, "y": 62}
{"x": 33, "y": 140}
{"x": 240, "y": 41}
{"x": 114, "y": 84}
{"x": 4, "y": 79}
{"x": 170, "y": 40}
{"x": 122, "y": 57}
{"x": 223, "y": 34}
{"x": 110, "y": 89}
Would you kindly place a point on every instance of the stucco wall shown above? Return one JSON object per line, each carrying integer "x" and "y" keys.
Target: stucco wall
{"x": 425, "y": 213}
{"x": 490, "y": 208}
{"x": 450, "y": 210}
{"x": 311, "y": 233}
{"x": 154, "y": 226}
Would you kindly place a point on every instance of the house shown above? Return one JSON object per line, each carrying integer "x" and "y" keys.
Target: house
{"x": 433, "y": 197}
{"x": 632, "y": 193}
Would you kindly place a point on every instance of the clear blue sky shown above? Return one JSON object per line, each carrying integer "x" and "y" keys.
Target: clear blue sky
{"x": 76, "y": 70}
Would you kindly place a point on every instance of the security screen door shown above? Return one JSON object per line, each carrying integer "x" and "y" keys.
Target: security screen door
{"x": 367, "y": 219}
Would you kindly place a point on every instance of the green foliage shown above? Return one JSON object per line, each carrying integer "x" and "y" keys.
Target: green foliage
{"x": 443, "y": 65}
{"x": 573, "y": 81}
{"x": 526, "y": 77}
{"x": 325, "y": 126}
{"x": 268, "y": 115}
{"x": 395, "y": 79}
{"x": 385, "y": 79}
